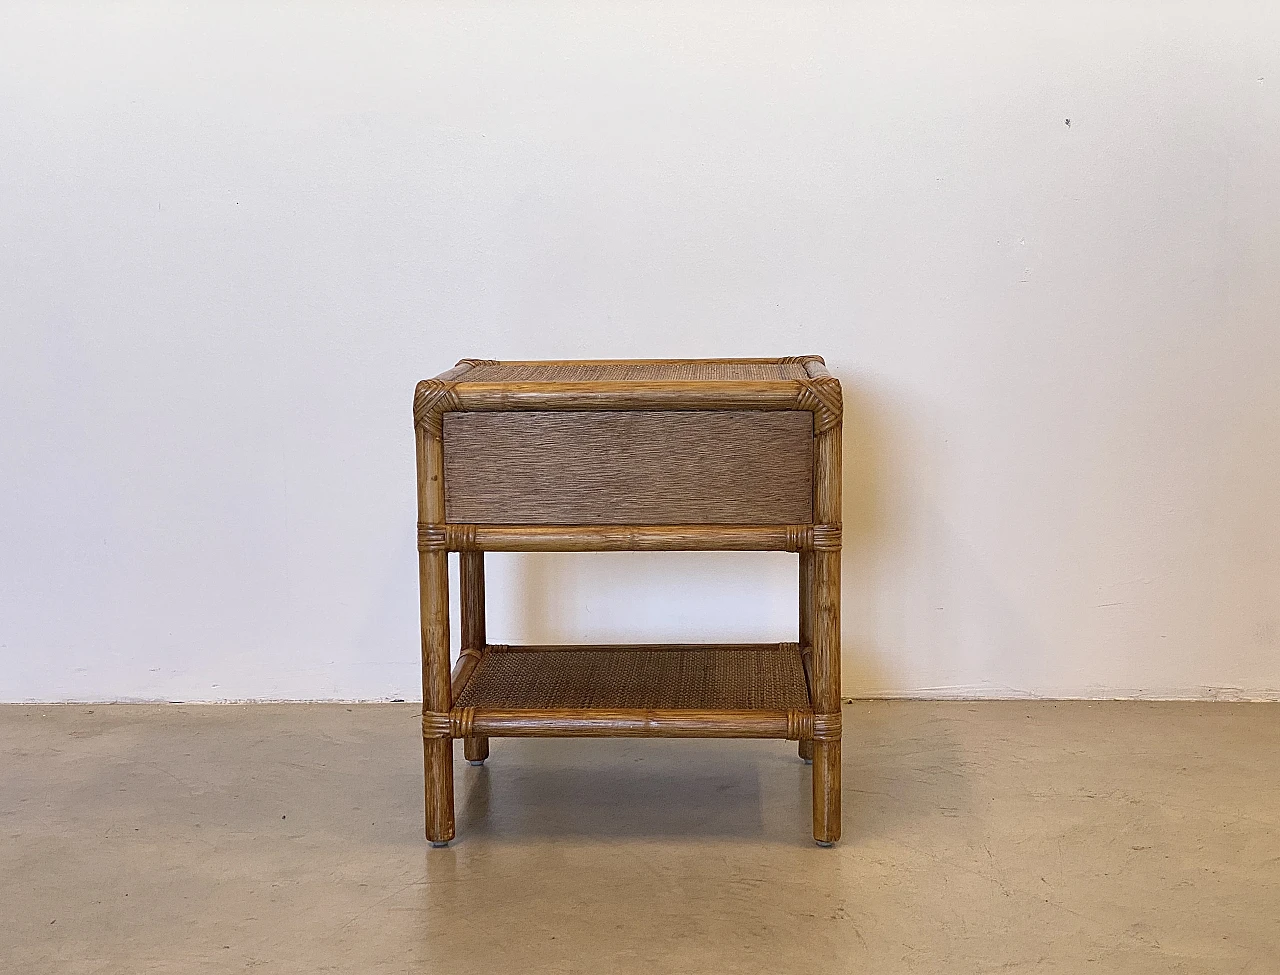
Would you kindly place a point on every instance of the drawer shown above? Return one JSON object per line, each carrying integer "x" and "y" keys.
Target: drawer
{"x": 743, "y": 467}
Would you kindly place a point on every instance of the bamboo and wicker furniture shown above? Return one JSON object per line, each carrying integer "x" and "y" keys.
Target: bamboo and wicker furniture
{"x": 672, "y": 455}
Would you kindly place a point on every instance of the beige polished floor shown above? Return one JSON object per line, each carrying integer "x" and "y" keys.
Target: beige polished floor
{"x": 1003, "y": 837}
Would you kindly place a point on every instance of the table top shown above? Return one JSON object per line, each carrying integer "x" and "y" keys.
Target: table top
{"x": 485, "y": 385}
{"x": 638, "y": 370}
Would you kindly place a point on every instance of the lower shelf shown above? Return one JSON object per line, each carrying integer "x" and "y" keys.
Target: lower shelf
{"x": 753, "y": 690}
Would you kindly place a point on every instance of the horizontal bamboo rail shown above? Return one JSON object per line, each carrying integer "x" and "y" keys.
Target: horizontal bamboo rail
{"x": 630, "y": 723}
{"x": 738, "y": 394}
{"x": 628, "y": 538}
{"x": 637, "y": 723}
{"x": 818, "y": 392}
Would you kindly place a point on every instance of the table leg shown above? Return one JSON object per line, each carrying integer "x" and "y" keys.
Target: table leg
{"x": 825, "y": 664}
{"x": 433, "y": 570}
{"x": 806, "y": 629}
{"x": 826, "y": 696}
{"x": 433, "y": 595}
{"x": 471, "y": 577}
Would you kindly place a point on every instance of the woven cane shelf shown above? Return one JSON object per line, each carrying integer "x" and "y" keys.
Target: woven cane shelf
{"x": 629, "y": 455}
{"x": 647, "y": 691}
{"x": 744, "y": 678}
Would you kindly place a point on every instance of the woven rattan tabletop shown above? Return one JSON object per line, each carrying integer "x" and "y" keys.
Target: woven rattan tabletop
{"x": 638, "y": 370}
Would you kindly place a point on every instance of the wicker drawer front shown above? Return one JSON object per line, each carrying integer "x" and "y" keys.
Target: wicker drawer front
{"x": 633, "y": 468}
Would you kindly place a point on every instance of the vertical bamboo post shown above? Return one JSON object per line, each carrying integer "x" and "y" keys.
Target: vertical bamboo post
{"x": 826, "y": 637}
{"x": 806, "y": 629}
{"x": 471, "y": 577}
{"x": 433, "y": 579}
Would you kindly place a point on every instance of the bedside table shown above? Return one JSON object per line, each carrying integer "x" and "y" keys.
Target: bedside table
{"x": 638, "y": 455}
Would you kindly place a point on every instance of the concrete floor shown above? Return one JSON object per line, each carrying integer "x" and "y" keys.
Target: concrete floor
{"x": 1001, "y": 837}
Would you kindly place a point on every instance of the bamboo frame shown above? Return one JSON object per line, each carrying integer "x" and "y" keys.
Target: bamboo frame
{"x": 628, "y": 538}
{"x": 816, "y": 728}
{"x": 437, "y": 691}
{"x": 819, "y": 393}
{"x": 824, "y": 668}
{"x": 471, "y": 580}
{"x": 806, "y": 637}
{"x": 638, "y": 723}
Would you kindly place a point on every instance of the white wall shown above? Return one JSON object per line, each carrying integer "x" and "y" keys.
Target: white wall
{"x": 235, "y": 235}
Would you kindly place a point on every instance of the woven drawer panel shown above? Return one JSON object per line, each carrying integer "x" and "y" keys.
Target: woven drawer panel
{"x": 629, "y": 468}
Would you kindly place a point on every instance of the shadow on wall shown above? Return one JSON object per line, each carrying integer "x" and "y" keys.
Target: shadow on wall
{"x": 546, "y": 587}
{"x": 864, "y": 512}
{"x": 923, "y": 583}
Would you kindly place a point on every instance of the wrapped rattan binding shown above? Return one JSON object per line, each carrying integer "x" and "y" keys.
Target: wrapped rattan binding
{"x": 628, "y": 538}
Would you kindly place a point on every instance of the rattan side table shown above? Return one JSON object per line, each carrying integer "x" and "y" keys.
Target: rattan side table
{"x": 639, "y": 455}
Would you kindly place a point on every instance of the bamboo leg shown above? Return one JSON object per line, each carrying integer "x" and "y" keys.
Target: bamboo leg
{"x": 433, "y": 585}
{"x": 436, "y": 694}
{"x": 474, "y": 747}
{"x": 806, "y": 629}
{"x": 825, "y": 665}
{"x": 826, "y": 792}
{"x": 437, "y": 759}
{"x": 826, "y": 680}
